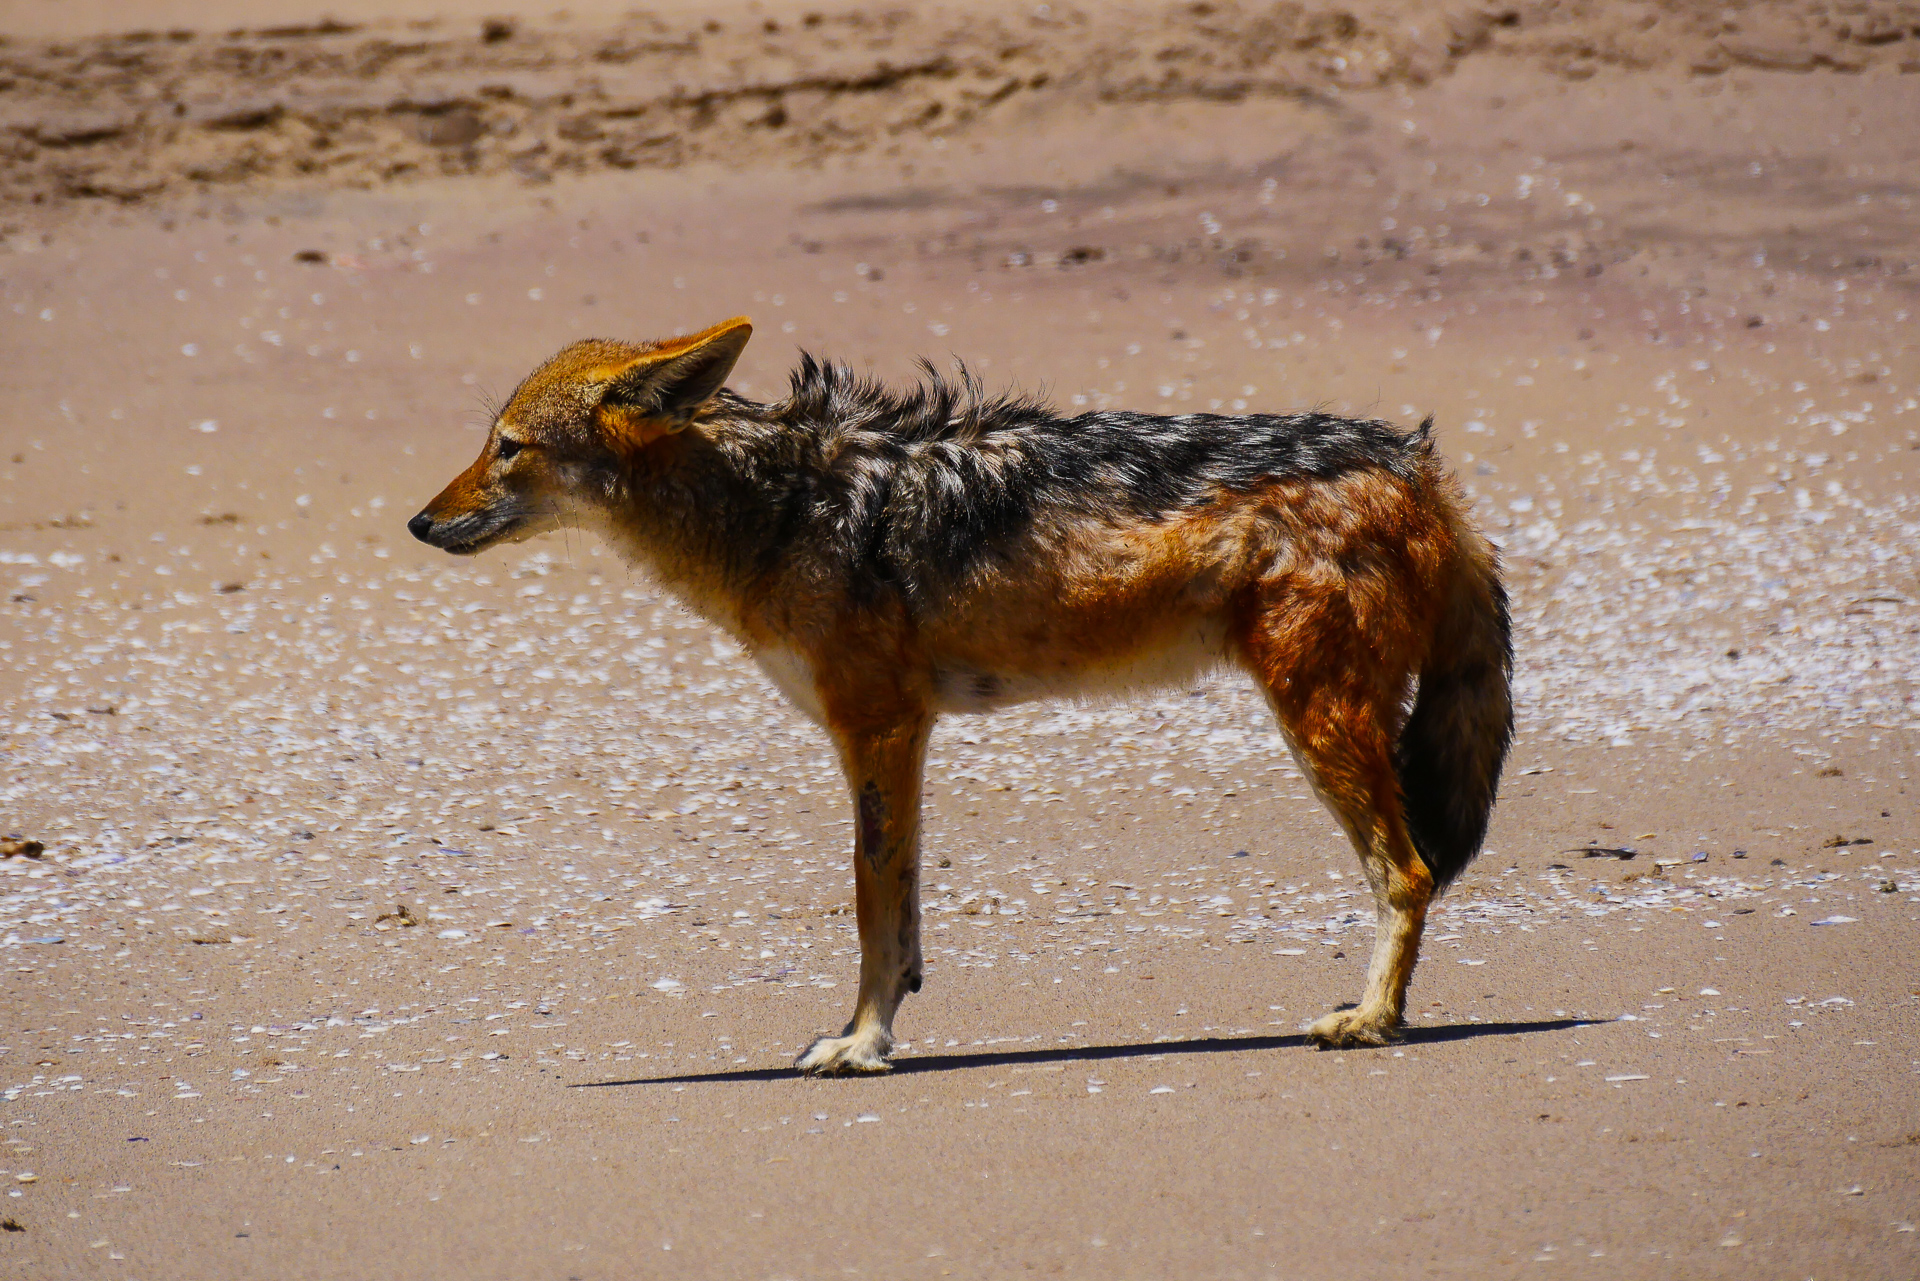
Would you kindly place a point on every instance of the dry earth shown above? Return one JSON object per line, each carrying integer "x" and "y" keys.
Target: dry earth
{"x": 129, "y": 115}
{"x": 435, "y": 917}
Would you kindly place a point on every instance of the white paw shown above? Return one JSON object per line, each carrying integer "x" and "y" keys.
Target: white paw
{"x": 1344, "y": 1028}
{"x": 859, "y": 1052}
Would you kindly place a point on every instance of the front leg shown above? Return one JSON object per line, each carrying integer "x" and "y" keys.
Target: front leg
{"x": 883, "y": 772}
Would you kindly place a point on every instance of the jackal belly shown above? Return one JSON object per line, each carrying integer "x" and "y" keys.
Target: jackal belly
{"x": 1077, "y": 666}
{"x": 1103, "y": 613}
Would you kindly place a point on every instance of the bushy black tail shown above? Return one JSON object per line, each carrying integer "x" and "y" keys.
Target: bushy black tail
{"x": 1455, "y": 741}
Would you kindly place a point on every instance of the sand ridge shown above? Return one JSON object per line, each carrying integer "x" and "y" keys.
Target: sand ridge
{"x": 130, "y": 116}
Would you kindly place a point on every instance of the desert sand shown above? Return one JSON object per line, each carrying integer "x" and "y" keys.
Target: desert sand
{"x": 379, "y": 913}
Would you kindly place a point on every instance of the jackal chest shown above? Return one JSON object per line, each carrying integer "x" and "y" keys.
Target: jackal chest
{"x": 792, "y": 674}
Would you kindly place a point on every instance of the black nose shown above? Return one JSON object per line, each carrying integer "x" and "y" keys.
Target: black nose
{"x": 420, "y": 526}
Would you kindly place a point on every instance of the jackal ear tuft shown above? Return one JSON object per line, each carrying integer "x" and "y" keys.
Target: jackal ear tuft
{"x": 659, "y": 391}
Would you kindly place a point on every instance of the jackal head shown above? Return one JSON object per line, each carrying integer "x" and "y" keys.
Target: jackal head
{"x": 557, "y": 452}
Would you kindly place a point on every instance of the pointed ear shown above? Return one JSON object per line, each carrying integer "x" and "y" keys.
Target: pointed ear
{"x": 659, "y": 391}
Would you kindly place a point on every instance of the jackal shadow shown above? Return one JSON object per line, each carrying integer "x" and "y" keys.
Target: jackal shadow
{"x": 925, "y": 1063}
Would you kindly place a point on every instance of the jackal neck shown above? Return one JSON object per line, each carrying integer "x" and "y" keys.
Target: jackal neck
{"x": 704, "y": 509}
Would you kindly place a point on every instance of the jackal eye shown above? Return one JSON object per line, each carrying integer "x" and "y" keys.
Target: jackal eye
{"x": 508, "y": 447}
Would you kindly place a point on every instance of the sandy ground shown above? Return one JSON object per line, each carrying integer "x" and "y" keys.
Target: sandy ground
{"x": 407, "y": 915}
{"x": 231, "y": 94}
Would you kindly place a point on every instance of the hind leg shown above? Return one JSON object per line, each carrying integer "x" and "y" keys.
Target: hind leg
{"x": 1348, "y": 751}
{"x": 1337, "y": 694}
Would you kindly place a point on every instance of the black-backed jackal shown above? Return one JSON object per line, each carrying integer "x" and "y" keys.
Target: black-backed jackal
{"x": 886, "y": 557}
